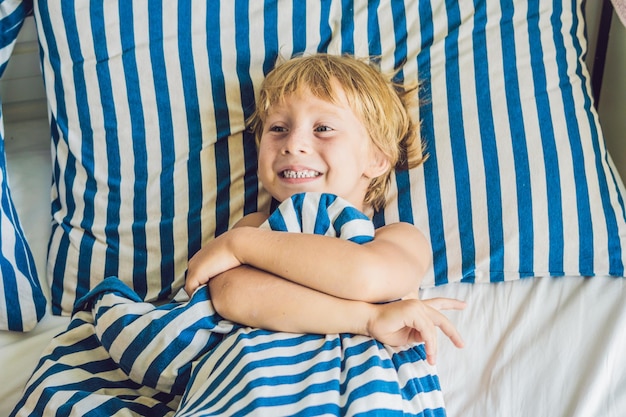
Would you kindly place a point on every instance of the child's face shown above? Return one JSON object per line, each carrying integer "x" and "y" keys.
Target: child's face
{"x": 309, "y": 144}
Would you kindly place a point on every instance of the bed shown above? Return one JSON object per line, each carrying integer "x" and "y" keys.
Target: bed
{"x": 148, "y": 156}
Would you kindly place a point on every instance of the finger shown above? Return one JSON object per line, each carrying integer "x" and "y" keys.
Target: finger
{"x": 189, "y": 288}
{"x": 430, "y": 345}
{"x": 447, "y": 328}
{"x": 427, "y": 330}
{"x": 431, "y": 353}
{"x": 191, "y": 284}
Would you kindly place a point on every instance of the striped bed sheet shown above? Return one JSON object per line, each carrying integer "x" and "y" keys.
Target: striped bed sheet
{"x": 120, "y": 354}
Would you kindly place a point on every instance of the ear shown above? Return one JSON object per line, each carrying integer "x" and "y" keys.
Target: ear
{"x": 379, "y": 164}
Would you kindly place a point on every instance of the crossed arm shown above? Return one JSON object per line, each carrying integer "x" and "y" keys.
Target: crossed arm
{"x": 316, "y": 284}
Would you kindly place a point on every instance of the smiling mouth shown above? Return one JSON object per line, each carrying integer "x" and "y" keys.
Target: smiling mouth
{"x": 307, "y": 173}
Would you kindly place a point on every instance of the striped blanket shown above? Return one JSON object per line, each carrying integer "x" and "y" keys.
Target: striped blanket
{"x": 122, "y": 356}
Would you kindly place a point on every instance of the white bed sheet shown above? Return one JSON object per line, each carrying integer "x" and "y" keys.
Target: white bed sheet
{"x": 19, "y": 354}
{"x": 536, "y": 347}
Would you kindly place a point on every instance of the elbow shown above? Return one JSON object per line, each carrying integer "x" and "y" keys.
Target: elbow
{"x": 220, "y": 288}
{"x": 388, "y": 284}
{"x": 377, "y": 285}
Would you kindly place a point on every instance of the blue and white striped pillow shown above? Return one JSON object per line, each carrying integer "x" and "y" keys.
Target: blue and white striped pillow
{"x": 519, "y": 183}
{"x": 22, "y": 302}
{"x": 148, "y": 102}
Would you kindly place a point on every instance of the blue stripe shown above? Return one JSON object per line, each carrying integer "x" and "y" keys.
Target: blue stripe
{"x": 107, "y": 102}
{"x": 520, "y": 146}
{"x": 347, "y": 27}
{"x": 616, "y": 263}
{"x": 242, "y": 42}
{"x": 59, "y": 265}
{"x": 270, "y": 31}
{"x": 165, "y": 325}
{"x": 113, "y": 405}
{"x": 96, "y": 382}
{"x": 322, "y": 219}
{"x": 405, "y": 206}
{"x": 373, "y": 28}
{"x": 10, "y": 25}
{"x": 378, "y": 219}
{"x": 20, "y": 268}
{"x": 161, "y": 362}
{"x": 59, "y": 129}
{"x": 544, "y": 112}
{"x": 431, "y": 166}
{"x": 250, "y": 179}
{"x": 298, "y": 27}
{"x": 140, "y": 153}
{"x": 222, "y": 177}
{"x": 403, "y": 183}
{"x": 585, "y": 229}
{"x": 277, "y": 222}
{"x": 298, "y": 200}
{"x": 22, "y": 258}
{"x": 259, "y": 403}
{"x": 194, "y": 128}
{"x": 491, "y": 164}
{"x": 345, "y": 216}
{"x": 401, "y": 35}
{"x": 87, "y": 159}
{"x": 267, "y": 362}
{"x": 9, "y": 278}
{"x": 459, "y": 146}
{"x": 166, "y": 180}
{"x": 222, "y": 121}
{"x": 326, "y": 32}
{"x": 360, "y": 239}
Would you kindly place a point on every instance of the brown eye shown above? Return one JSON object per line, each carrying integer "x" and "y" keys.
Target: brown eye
{"x": 323, "y": 128}
{"x": 278, "y": 129}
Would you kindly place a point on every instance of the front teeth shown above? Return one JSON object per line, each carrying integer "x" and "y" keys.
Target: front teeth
{"x": 300, "y": 174}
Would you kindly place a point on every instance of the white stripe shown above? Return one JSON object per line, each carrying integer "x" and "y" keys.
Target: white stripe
{"x": 285, "y": 27}
{"x": 312, "y": 24}
{"x": 289, "y": 217}
{"x": 308, "y": 215}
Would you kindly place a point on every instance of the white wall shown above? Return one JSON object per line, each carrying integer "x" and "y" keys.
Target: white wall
{"x": 21, "y": 86}
{"x": 612, "y": 107}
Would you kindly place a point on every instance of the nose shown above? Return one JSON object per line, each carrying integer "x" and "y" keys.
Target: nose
{"x": 296, "y": 142}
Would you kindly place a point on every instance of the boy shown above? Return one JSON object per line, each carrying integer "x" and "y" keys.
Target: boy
{"x": 329, "y": 126}
{"x": 335, "y": 125}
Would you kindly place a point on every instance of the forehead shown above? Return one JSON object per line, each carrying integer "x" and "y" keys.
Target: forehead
{"x": 331, "y": 92}
{"x": 305, "y": 101}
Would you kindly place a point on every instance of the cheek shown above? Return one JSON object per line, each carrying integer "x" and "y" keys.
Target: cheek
{"x": 262, "y": 154}
{"x": 264, "y": 163}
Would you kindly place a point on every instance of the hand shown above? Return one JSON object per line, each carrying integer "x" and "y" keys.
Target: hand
{"x": 214, "y": 258}
{"x": 414, "y": 321}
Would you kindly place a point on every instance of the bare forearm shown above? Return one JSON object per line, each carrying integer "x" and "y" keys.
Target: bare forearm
{"x": 258, "y": 299}
{"x": 378, "y": 271}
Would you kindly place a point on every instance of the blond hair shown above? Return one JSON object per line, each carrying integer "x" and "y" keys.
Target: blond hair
{"x": 382, "y": 105}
